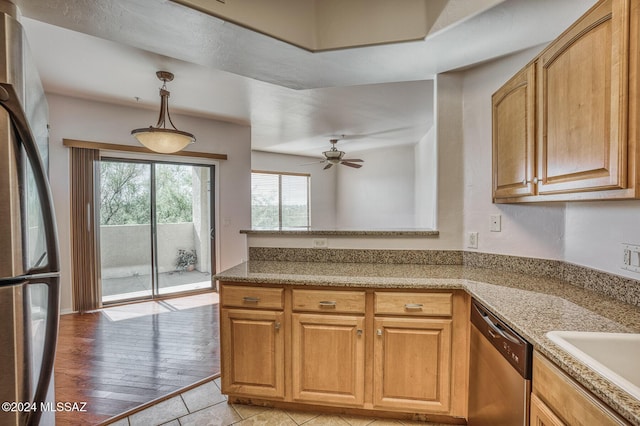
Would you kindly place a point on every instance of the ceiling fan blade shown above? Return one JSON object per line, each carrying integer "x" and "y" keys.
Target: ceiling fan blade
{"x": 354, "y": 160}
{"x": 327, "y": 166}
{"x": 315, "y": 162}
{"x": 355, "y": 166}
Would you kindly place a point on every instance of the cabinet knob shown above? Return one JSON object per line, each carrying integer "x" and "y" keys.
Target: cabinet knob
{"x": 277, "y": 325}
{"x": 379, "y": 332}
{"x": 534, "y": 181}
{"x": 359, "y": 332}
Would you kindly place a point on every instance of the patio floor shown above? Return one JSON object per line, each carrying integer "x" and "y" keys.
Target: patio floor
{"x": 140, "y": 285}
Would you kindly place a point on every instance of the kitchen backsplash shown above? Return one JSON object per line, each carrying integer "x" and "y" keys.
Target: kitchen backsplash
{"x": 617, "y": 287}
{"x": 418, "y": 257}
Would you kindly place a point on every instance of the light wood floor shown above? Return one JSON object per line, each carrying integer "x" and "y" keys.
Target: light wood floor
{"x": 122, "y": 357}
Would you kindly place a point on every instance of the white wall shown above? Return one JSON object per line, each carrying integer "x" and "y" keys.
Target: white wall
{"x": 585, "y": 233}
{"x": 323, "y": 183}
{"x": 462, "y": 132}
{"x": 425, "y": 185}
{"x": 595, "y": 230}
{"x": 449, "y": 145}
{"x": 379, "y": 195}
{"x": 447, "y": 167}
{"x": 532, "y": 230}
{"x": 72, "y": 118}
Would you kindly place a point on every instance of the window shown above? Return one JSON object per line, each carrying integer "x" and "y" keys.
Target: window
{"x": 279, "y": 200}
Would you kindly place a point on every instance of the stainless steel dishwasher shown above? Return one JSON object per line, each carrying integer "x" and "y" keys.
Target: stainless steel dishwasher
{"x": 499, "y": 373}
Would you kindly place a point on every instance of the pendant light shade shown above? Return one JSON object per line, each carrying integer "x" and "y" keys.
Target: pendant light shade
{"x": 160, "y": 138}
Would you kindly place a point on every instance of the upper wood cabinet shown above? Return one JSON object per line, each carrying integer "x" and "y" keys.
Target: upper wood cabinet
{"x": 582, "y": 104}
{"x": 514, "y": 136}
{"x": 565, "y": 127}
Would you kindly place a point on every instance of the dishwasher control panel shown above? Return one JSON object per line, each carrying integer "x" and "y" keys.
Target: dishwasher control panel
{"x": 516, "y": 350}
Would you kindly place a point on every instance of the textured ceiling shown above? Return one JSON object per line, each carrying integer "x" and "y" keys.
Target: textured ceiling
{"x": 293, "y": 99}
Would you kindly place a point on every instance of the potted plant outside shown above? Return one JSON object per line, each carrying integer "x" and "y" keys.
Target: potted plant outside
{"x": 186, "y": 260}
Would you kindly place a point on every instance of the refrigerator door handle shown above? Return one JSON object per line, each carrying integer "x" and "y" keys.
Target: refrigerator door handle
{"x": 10, "y": 102}
{"x": 49, "y": 347}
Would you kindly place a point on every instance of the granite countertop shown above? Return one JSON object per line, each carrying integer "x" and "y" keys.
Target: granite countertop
{"x": 531, "y": 305}
{"x": 345, "y": 232}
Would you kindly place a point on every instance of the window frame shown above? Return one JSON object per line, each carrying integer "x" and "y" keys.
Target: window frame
{"x": 280, "y": 174}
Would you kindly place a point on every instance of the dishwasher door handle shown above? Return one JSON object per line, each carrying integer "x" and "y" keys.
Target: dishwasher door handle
{"x": 497, "y": 329}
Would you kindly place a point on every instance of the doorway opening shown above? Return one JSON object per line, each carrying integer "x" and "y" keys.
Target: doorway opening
{"x": 156, "y": 234}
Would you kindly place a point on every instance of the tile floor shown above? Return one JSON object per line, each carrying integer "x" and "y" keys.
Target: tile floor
{"x": 206, "y": 406}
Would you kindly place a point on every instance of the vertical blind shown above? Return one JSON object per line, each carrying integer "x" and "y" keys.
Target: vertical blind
{"x": 279, "y": 200}
{"x": 84, "y": 280}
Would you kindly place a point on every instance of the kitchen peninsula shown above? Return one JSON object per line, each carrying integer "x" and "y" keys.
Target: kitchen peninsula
{"x": 532, "y": 296}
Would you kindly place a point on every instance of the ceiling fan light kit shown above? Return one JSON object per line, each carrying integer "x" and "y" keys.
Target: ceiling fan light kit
{"x": 160, "y": 138}
{"x": 333, "y": 156}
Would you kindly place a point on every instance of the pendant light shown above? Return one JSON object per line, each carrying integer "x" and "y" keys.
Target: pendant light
{"x": 160, "y": 138}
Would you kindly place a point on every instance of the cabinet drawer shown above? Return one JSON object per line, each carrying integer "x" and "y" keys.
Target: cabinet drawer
{"x": 252, "y": 297}
{"x": 328, "y": 301}
{"x": 414, "y": 304}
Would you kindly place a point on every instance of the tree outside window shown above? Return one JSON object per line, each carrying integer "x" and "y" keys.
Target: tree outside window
{"x": 125, "y": 198}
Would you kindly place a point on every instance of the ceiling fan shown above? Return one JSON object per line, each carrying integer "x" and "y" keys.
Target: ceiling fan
{"x": 333, "y": 156}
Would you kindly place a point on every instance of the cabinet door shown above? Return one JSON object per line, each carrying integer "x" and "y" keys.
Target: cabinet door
{"x": 568, "y": 399}
{"x": 582, "y": 102}
{"x": 513, "y": 112}
{"x": 252, "y": 348}
{"x": 328, "y": 359}
{"x": 541, "y": 415}
{"x": 412, "y": 364}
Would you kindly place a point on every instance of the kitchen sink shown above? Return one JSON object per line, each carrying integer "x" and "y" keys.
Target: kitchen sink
{"x": 613, "y": 355}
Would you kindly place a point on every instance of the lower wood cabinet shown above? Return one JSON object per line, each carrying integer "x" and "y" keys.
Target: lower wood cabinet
{"x": 328, "y": 358}
{"x": 365, "y": 350}
{"x": 412, "y": 364}
{"x": 253, "y": 355}
{"x": 557, "y": 399}
{"x": 542, "y": 415}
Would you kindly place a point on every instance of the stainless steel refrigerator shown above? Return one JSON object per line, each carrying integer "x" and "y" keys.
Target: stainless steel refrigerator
{"x": 29, "y": 266}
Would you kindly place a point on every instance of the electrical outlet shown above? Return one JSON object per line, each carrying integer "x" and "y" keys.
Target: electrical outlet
{"x": 319, "y": 243}
{"x": 496, "y": 223}
{"x": 631, "y": 257}
{"x": 472, "y": 240}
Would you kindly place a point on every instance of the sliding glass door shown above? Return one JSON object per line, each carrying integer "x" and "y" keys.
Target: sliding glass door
{"x": 183, "y": 227}
{"x": 125, "y": 230}
{"x": 156, "y": 232}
